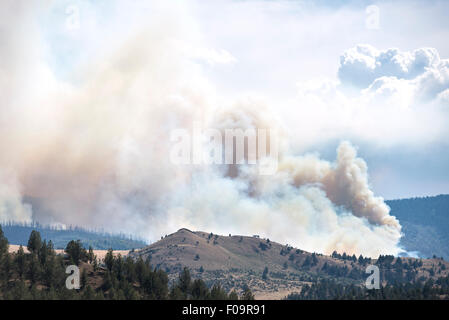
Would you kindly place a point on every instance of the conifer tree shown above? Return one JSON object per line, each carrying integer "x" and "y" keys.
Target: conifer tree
{"x": 233, "y": 295}
{"x": 90, "y": 255}
{"x": 83, "y": 279}
{"x": 75, "y": 251}
{"x": 34, "y": 269}
{"x": 218, "y": 293}
{"x": 20, "y": 262}
{"x": 265, "y": 273}
{"x": 34, "y": 242}
{"x": 109, "y": 260}
{"x": 199, "y": 290}
{"x": 3, "y": 244}
{"x": 185, "y": 281}
{"x": 247, "y": 294}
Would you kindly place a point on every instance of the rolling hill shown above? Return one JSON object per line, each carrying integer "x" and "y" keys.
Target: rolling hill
{"x": 238, "y": 261}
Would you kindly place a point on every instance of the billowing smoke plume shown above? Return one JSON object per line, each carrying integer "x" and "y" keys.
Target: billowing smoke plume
{"x": 311, "y": 203}
{"x": 95, "y": 152}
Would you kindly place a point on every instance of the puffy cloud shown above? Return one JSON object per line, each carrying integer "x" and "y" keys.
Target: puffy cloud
{"x": 433, "y": 82}
{"x": 415, "y": 77}
{"x": 361, "y": 65}
{"x": 443, "y": 97}
{"x": 384, "y": 98}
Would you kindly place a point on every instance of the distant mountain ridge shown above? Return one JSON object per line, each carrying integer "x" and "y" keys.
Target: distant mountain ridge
{"x": 425, "y": 224}
{"x": 19, "y": 234}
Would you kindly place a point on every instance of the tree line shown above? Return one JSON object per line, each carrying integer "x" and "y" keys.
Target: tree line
{"x": 40, "y": 274}
{"x": 332, "y": 290}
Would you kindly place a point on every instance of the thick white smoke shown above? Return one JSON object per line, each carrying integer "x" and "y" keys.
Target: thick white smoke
{"x": 11, "y": 206}
{"x": 95, "y": 152}
{"x": 309, "y": 202}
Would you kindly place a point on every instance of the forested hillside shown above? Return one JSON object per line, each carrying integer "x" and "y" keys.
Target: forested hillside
{"x": 425, "y": 224}
{"x": 19, "y": 233}
{"x": 41, "y": 275}
{"x": 273, "y": 270}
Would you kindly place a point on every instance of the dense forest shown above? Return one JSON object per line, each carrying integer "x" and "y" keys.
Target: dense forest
{"x": 400, "y": 279}
{"x": 41, "y": 274}
{"x": 18, "y": 234}
{"x": 332, "y": 290}
{"x": 425, "y": 224}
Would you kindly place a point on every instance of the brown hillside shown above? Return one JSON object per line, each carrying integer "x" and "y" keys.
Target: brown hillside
{"x": 236, "y": 261}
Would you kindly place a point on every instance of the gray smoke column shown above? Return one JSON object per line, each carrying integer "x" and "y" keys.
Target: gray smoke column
{"x": 95, "y": 152}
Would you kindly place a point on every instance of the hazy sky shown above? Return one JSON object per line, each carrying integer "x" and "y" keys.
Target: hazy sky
{"x": 288, "y": 53}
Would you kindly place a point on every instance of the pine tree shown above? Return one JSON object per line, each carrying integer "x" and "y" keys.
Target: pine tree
{"x": 199, "y": 290}
{"x": 218, "y": 293}
{"x": 130, "y": 271}
{"x": 176, "y": 293}
{"x": 315, "y": 259}
{"x": 43, "y": 253}
{"x": 34, "y": 269}
{"x": 35, "y": 294}
{"x": 247, "y": 294}
{"x": 361, "y": 260}
{"x": 34, "y": 242}
{"x": 185, "y": 281}
{"x": 20, "y": 262}
{"x": 265, "y": 273}
{"x": 88, "y": 293}
{"x": 51, "y": 294}
{"x": 91, "y": 255}
{"x": 118, "y": 267}
{"x": 95, "y": 264}
{"x": 131, "y": 294}
{"x": 50, "y": 270}
{"x": 141, "y": 270}
{"x": 3, "y": 244}
{"x": 50, "y": 247}
{"x": 83, "y": 279}
{"x": 109, "y": 260}
{"x": 20, "y": 291}
{"x": 75, "y": 251}
{"x": 233, "y": 295}
{"x": 107, "y": 282}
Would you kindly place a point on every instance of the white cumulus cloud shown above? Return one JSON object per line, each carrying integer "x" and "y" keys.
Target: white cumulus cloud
{"x": 361, "y": 65}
